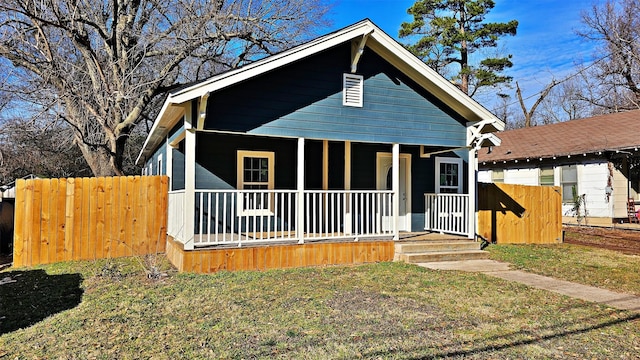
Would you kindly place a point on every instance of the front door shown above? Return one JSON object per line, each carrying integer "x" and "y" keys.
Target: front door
{"x": 384, "y": 171}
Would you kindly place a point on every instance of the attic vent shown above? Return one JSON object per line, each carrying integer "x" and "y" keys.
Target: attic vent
{"x": 352, "y": 90}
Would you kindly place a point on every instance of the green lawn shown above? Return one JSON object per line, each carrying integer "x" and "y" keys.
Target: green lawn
{"x": 109, "y": 310}
{"x": 582, "y": 264}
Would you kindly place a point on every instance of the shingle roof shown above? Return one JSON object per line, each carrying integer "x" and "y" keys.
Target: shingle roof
{"x": 609, "y": 132}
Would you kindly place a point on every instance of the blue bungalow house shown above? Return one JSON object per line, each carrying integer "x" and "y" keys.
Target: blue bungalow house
{"x": 348, "y": 136}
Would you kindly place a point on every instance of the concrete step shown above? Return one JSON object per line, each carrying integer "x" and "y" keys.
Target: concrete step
{"x": 443, "y": 256}
{"x": 433, "y": 246}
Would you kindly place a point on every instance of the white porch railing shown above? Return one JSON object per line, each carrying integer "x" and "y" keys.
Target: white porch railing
{"x": 447, "y": 213}
{"x": 246, "y": 216}
{"x": 347, "y": 213}
{"x": 175, "y": 221}
{"x": 233, "y": 216}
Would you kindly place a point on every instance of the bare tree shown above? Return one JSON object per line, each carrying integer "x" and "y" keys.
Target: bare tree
{"x": 42, "y": 148}
{"x": 528, "y": 113}
{"x": 615, "y": 81}
{"x": 102, "y": 66}
{"x": 566, "y": 102}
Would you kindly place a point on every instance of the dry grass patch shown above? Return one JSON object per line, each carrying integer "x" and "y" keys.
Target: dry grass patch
{"x": 388, "y": 310}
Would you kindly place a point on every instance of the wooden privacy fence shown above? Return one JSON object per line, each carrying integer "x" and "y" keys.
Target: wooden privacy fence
{"x": 89, "y": 218}
{"x": 520, "y": 214}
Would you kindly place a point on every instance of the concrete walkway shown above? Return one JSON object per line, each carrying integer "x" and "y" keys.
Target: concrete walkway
{"x": 501, "y": 270}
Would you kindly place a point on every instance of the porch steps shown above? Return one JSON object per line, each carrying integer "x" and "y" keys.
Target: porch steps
{"x": 438, "y": 248}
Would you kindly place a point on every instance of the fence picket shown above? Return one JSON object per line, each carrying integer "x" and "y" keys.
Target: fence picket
{"x": 20, "y": 228}
{"x": 45, "y": 219}
{"x": 60, "y": 228}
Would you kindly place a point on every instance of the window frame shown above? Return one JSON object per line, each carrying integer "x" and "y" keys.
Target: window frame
{"x": 553, "y": 176}
{"x": 448, "y": 160}
{"x": 495, "y": 179}
{"x": 240, "y": 183}
{"x": 563, "y": 183}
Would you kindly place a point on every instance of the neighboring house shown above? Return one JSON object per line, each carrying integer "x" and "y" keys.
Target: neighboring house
{"x": 346, "y": 136}
{"x": 597, "y": 156}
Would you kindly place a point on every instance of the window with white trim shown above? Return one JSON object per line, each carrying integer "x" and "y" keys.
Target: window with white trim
{"x": 159, "y": 165}
{"x": 352, "y": 90}
{"x": 448, "y": 175}
{"x": 497, "y": 176}
{"x": 568, "y": 182}
{"x": 255, "y": 172}
{"x": 546, "y": 177}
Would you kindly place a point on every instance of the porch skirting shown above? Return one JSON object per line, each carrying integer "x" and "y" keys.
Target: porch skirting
{"x": 285, "y": 256}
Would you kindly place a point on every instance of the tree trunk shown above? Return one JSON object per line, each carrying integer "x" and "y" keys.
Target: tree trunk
{"x": 98, "y": 159}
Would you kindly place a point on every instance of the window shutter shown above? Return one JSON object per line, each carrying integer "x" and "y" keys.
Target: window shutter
{"x": 352, "y": 90}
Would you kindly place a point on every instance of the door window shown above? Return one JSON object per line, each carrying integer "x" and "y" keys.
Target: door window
{"x": 448, "y": 175}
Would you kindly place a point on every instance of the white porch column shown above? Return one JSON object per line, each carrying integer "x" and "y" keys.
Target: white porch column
{"x": 189, "y": 179}
{"x": 473, "y": 197}
{"x": 300, "y": 186}
{"x": 169, "y": 165}
{"x": 395, "y": 166}
{"x": 347, "y": 186}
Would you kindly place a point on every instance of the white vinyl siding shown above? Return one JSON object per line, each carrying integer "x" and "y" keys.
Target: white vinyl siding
{"x": 352, "y": 90}
{"x": 528, "y": 176}
{"x": 484, "y": 176}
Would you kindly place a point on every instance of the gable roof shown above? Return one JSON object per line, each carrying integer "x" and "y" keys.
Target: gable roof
{"x": 376, "y": 40}
{"x": 610, "y": 132}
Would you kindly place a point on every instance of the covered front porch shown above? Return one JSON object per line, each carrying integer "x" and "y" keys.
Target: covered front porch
{"x": 255, "y": 204}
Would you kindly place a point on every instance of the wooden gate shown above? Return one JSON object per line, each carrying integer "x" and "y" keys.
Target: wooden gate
{"x": 89, "y": 218}
{"x": 520, "y": 214}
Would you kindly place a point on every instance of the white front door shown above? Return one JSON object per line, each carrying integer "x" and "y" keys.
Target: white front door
{"x": 384, "y": 182}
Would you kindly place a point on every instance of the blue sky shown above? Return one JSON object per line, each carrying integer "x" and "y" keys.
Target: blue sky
{"x": 545, "y": 47}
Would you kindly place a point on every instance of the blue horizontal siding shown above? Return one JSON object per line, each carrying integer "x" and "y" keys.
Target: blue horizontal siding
{"x": 305, "y": 100}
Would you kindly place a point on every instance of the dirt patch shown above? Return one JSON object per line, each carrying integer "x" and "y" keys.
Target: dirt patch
{"x": 625, "y": 241}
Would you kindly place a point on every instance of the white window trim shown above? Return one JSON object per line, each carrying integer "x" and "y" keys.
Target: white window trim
{"x": 562, "y": 182}
{"x": 159, "y": 164}
{"x": 448, "y": 160}
{"x": 270, "y": 155}
{"x": 352, "y": 90}
{"x": 540, "y": 175}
